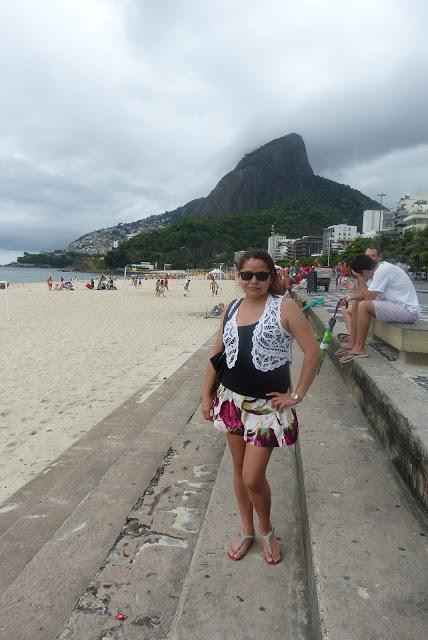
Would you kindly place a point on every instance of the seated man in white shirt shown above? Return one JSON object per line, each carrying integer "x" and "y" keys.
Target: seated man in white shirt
{"x": 373, "y": 253}
{"x": 390, "y": 297}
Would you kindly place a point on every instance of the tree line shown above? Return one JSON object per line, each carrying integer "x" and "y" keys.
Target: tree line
{"x": 201, "y": 241}
{"x": 411, "y": 245}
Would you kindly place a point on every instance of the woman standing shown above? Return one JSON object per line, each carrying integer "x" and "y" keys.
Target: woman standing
{"x": 253, "y": 401}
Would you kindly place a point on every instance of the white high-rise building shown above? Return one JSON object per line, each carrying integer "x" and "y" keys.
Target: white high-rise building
{"x": 338, "y": 236}
{"x": 371, "y": 222}
{"x": 375, "y": 221}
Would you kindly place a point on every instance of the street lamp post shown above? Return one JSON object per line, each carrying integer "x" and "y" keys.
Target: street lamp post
{"x": 330, "y": 238}
{"x": 273, "y": 241}
{"x": 381, "y": 196}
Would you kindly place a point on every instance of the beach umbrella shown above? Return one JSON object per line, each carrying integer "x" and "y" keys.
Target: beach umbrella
{"x": 328, "y": 333}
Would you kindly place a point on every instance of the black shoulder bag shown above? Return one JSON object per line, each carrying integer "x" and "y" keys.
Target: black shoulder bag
{"x": 218, "y": 360}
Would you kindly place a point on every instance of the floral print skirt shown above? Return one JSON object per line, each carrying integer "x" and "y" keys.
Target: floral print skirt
{"x": 255, "y": 419}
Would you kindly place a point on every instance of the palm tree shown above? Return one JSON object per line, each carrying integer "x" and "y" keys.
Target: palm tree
{"x": 417, "y": 248}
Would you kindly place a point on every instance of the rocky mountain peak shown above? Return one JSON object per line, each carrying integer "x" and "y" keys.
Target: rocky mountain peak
{"x": 262, "y": 178}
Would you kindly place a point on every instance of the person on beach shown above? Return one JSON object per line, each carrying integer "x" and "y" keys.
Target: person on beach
{"x": 91, "y": 284}
{"x": 390, "y": 297}
{"x": 253, "y": 401}
{"x": 214, "y": 287}
{"x": 159, "y": 288}
{"x": 59, "y": 286}
{"x": 186, "y": 288}
{"x": 50, "y": 283}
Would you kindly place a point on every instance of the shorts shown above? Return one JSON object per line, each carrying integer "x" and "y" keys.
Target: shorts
{"x": 388, "y": 311}
{"x": 254, "y": 419}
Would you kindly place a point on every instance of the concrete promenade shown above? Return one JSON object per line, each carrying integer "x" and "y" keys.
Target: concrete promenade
{"x": 393, "y": 397}
{"x": 136, "y": 517}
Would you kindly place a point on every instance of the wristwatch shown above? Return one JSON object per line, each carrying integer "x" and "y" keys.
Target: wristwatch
{"x": 295, "y": 395}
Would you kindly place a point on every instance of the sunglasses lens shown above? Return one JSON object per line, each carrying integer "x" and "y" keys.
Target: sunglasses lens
{"x": 260, "y": 275}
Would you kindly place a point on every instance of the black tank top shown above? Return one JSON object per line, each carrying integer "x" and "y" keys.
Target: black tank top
{"x": 245, "y": 379}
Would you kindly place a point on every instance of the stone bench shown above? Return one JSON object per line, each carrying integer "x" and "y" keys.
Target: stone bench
{"x": 411, "y": 340}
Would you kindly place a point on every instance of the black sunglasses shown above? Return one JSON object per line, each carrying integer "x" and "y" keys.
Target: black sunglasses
{"x": 261, "y": 276}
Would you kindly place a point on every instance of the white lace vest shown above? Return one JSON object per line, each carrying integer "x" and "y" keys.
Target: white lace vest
{"x": 272, "y": 344}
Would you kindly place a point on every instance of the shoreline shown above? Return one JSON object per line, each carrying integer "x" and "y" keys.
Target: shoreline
{"x": 17, "y": 265}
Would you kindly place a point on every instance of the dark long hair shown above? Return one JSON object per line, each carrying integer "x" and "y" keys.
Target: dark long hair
{"x": 264, "y": 256}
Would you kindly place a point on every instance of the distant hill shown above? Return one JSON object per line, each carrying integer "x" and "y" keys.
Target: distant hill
{"x": 273, "y": 184}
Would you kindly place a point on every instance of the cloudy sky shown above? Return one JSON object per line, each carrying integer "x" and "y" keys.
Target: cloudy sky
{"x": 112, "y": 110}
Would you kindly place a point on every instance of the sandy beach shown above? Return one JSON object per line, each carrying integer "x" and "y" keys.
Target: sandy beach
{"x": 68, "y": 358}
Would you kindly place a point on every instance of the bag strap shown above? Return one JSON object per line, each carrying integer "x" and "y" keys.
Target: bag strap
{"x": 231, "y": 309}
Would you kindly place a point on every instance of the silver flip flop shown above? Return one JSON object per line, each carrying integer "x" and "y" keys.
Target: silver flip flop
{"x": 266, "y": 539}
{"x": 243, "y": 538}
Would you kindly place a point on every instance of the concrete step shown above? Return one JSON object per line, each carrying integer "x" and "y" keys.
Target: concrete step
{"x": 143, "y": 575}
{"x": 173, "y": 579}
{"x": 366, "y": 538}
{"x": 366, "y": 554}
{"x": 393, "y": 401}
{"x": 61, "y": 534}
{"x": 224, "y": 599}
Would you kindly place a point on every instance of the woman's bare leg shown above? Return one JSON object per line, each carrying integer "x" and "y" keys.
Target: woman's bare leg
{"x": 237, "y": 447}
{"x": 254, "y": 476}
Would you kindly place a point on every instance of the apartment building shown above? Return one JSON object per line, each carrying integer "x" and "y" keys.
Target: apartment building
{"x": 338, "y": 236}
{"x": 281, "y": 247}
{"x": 412, "y": 211}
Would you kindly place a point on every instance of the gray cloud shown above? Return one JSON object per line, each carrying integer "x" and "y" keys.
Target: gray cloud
{"x": 117, "y": 109}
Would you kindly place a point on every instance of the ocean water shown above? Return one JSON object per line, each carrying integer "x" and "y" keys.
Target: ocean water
{"x": 23, "y": 274}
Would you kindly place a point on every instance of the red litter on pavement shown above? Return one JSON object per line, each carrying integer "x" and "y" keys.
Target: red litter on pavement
{"x": 120, "y": 616}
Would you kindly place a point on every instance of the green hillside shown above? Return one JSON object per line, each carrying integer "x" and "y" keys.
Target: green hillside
{"x": 200, "y": 241}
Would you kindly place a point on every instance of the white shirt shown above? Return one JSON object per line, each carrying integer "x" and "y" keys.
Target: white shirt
{"x": 394, "y": 285}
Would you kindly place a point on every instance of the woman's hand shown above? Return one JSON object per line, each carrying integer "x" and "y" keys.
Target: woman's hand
{"x": 282, "y": 400}
{"x": 207, "y": 407}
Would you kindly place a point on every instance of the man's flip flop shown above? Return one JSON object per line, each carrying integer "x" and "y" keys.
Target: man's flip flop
{"x": 351, "y": 356}
{"x": 342, "y": 351}
{"x": 343, "y": 337}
